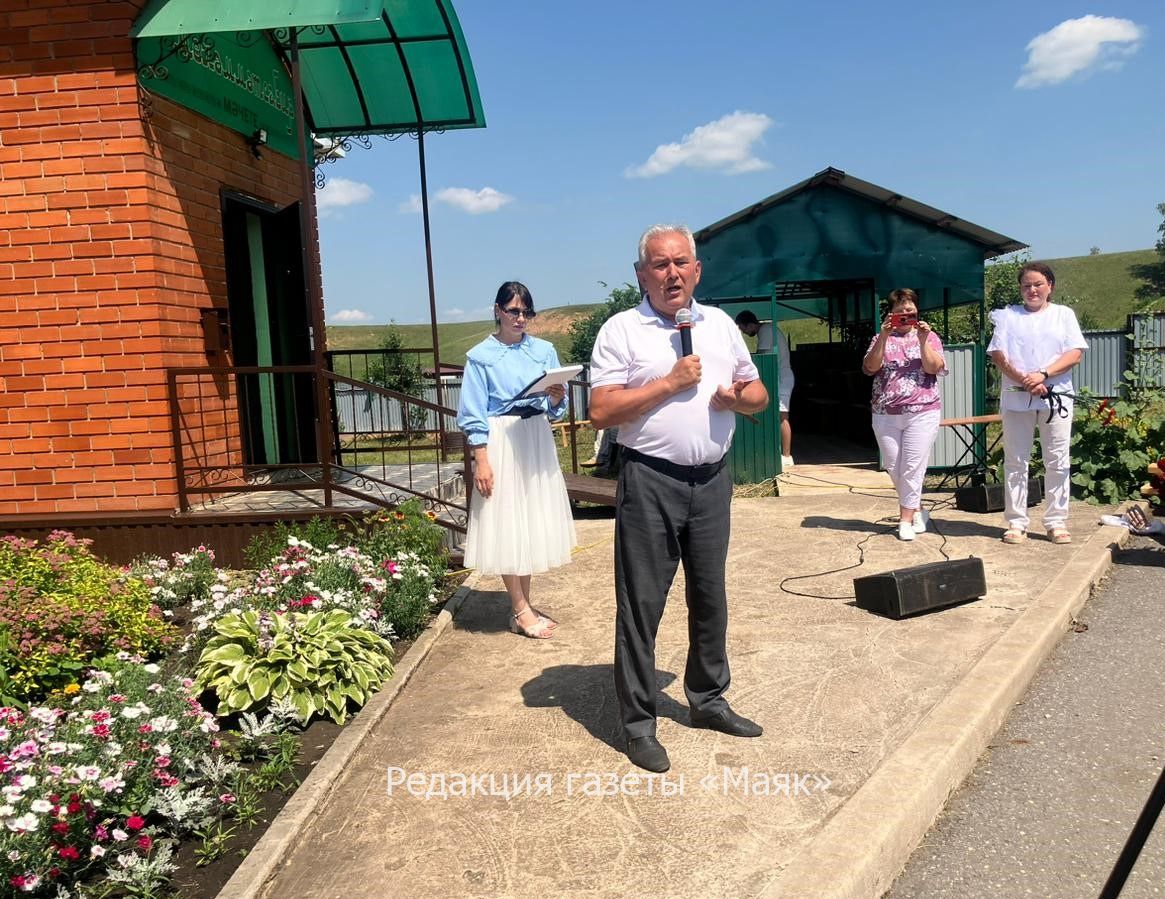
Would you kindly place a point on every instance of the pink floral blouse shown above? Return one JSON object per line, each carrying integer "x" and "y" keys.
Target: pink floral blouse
{"x": 900, "y": 384}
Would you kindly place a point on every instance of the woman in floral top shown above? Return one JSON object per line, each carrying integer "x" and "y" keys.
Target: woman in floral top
{"x": 905, "y": 359}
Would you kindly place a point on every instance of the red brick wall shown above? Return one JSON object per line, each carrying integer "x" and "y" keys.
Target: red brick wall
{"x": 110, "y": 245}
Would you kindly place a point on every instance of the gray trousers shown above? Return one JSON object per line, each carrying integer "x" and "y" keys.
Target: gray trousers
{"x": 665, "y": 514}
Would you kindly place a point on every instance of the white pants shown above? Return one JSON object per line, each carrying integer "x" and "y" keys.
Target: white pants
{"x": 905, "y": 441}
{"x": 1055, "y": 437}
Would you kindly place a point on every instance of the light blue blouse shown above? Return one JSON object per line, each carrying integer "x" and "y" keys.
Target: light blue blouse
{"x": 495, "y": 373}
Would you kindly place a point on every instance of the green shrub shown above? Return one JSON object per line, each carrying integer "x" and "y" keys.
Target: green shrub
{"x": 1113, "y": 444}
{"x": 317, "y": 661}
{"x": 65, "y": 611}
{"x": 264, "y": 547}
{"x": 392, "y": 534}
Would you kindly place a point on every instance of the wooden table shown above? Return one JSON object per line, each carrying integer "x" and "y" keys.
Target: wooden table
{"x": 971, "y": 466}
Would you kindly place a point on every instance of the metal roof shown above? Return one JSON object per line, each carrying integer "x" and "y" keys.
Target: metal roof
{"x": 369, "y": 66}
{"x": 993, "y": 243}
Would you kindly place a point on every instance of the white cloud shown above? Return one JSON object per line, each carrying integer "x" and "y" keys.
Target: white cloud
{"x": 340, "y": 192}
{"x": 474, "y": 202}
{"x": 412, "y": 204}
{"x": 454, "y": 314}
{"x": 1077, "y": 46}
{"x": 725, "y": 144}
{"x": 348, "y": 316}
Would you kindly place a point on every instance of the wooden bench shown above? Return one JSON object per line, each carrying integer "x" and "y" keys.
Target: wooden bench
{"x": 971, "y": 466}
{"x": 600, "y": 491}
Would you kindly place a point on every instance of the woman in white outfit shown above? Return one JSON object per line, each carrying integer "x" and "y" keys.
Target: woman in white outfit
{"x": 1035, "y": 345}
{"x": 520, "y": 521}
{"x": 905, "y": 358}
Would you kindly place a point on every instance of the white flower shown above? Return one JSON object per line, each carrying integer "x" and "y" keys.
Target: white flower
{"x": 151, "y": 668}
{"x": 41, "y": 806}
{"x": 87, "y": 772}
{"x": 56, "y": 747}
{"x": 24, "y": 824}
{"x": 135, "y": 711}
{"x": 6, "y": 810}
{"x": 120, "y": 835}
{"x": 96, "y": 851}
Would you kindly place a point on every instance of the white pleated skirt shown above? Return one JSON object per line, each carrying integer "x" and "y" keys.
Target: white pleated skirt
{"x": 525, "y": 525}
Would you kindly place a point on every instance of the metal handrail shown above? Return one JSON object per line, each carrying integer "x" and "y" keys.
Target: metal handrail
{"x": 329, "y": 465}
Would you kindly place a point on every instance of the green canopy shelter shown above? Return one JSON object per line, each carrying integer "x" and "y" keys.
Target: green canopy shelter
{"x": 831, "y": 247}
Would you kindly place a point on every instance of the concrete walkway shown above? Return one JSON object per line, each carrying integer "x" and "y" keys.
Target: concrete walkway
{"x": 869, "y": 724}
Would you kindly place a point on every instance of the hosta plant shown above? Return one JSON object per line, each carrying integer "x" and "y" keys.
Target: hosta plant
{"x": 319, "y": 661}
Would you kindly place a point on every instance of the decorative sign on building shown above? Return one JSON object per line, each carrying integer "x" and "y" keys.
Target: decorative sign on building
{"x": 235, "y": 79}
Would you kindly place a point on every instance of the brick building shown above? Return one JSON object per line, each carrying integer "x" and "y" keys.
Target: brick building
{"x": 141, "y": 233}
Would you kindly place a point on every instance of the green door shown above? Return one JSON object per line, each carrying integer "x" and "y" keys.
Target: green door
{"x": 269, "y": 327}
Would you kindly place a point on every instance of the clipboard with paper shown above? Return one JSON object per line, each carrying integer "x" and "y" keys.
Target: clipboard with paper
{"x": 538, "y": 386}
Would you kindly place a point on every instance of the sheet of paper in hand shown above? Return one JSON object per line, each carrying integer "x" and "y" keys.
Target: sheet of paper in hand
{"x": 538, "y": 386}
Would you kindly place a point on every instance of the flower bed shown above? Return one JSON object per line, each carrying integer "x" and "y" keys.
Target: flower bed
{"x": 113, "y": 781}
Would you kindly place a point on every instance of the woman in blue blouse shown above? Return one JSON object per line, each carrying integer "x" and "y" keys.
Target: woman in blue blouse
{"x": 519, "y": 521}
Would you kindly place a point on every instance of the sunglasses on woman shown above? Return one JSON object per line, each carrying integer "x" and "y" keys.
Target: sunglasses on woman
{"x": 515, "y": 311}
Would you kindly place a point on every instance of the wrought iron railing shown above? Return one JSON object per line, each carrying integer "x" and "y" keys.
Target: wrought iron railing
{"x": 254, "y": 429}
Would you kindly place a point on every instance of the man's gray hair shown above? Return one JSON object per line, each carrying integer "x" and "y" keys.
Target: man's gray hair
{"x": 658, "y": 231}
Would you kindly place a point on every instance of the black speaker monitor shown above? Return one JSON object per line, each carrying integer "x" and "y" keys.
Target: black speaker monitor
{"x": 990, "y": 497}
{"x": 908, "y": 591}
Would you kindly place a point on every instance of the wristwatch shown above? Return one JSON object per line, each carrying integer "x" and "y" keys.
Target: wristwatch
{"x": 1044, "y": 372}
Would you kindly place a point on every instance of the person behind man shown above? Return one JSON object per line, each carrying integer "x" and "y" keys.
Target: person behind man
{"x": 905, "y": 359}
{"x": 676, "y": 419}
{"x": 1035, "y": 345}
{"x": 763, "y": 332}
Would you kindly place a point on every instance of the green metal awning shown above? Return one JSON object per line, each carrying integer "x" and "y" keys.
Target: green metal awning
{"x": 368, "y": 66}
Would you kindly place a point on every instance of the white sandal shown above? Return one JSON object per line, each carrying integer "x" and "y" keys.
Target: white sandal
{"x": 541, "y": 629}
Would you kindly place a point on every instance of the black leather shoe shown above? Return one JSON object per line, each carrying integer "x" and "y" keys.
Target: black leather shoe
{"x": 728, "y": 722}
{"x": 647, "y": 753}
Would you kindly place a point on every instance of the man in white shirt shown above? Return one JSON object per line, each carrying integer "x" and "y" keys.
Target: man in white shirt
{"x": 676, "y": 416}
{"x": 763, "y": 332}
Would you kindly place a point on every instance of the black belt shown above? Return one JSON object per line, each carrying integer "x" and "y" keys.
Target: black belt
{"x": 524, "y": 411}
{"x": 702, "y": 472}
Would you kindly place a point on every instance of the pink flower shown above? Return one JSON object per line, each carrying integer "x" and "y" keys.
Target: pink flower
{"x": 144, "y": 843}
{"x": 135, "y": 822}
{"x": 226, "y": 798}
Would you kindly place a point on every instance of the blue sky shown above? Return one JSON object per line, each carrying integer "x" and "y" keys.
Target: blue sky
{"x": 1039, "y": 119}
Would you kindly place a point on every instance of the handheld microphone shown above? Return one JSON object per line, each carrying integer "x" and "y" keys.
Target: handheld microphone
{"x": 684, "y": 326}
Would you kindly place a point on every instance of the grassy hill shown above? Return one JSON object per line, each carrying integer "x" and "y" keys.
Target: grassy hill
{"x": 1102, "y": 285}
{"x": 456, "y": 338}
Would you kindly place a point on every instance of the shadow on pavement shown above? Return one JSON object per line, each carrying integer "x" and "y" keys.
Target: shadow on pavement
{"x": 486, "y": 612}
{"x": 586, "y": 694}
{"x": 1143, "y": 556}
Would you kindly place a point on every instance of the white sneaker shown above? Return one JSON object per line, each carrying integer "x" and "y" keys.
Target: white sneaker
{"x": 786, "y": 463}
{"x": 921, "y": 519}
{"x": 905, "y": 530}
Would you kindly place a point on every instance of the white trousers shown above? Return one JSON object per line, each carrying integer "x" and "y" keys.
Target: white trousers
{"x": 905, "y": 441}
{"x": 1055, "y": 438}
